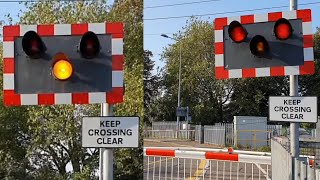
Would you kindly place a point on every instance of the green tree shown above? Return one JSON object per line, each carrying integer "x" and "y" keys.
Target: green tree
{"x": 151, "y": 86}
{"x": 251, "y": 96}
{"x": 205, "y": 96}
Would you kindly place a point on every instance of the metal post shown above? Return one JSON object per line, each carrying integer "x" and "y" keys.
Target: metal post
{"x": 100, "y": 151}
{"x": 106, "y": 154}
{"x": 294, "y": 127}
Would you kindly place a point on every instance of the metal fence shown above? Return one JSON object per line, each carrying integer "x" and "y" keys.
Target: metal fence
{"x": 164, "y": 125}
{"x": 215, "y": 135}
{"x": 282, "y": 163}
{"x": 189, "y": 165}
{"x": 199, "y": 134}
{"x": 275, "y": 130}
{"x": 222, "y": 134}
{"x": 170, "y": 134}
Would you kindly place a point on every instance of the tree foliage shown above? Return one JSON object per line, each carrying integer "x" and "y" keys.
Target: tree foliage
{"x": 204, "y": 95}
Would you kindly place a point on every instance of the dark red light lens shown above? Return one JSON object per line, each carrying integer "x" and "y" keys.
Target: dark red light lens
{"x": 32, "y": 45}
{"x": 283, "y": 29}
{"x": 237, "y": 32}
{"x": 89, "y": 45}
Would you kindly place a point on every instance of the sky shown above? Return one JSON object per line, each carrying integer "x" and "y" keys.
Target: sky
{"x": 154, "y": 28}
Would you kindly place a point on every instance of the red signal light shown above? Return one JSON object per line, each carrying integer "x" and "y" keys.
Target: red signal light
{"x": 32, "y": 44}
{"x": 259, "y": 46}
{"x": 237, "y": 32}
{"x": 89, "y": 45}
{"x": 282, "y": 29}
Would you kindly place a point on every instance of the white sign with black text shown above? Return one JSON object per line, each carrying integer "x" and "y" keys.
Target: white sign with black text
{"x": 113, "y": 132}
{"x": 293, "y": 109}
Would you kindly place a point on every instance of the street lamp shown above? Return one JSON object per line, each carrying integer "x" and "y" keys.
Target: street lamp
{"x": 179, "y": 85}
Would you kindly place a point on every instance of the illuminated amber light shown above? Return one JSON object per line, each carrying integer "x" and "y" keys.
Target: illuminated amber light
{"x": 62, "y": 67}
{"x": 260, "y": 46}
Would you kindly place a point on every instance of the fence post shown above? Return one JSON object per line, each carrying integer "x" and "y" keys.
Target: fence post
{"x": 236, "y": 141}
{"x": 201, "y": 134}
{"x": 310, "y": 173}
{"x": 297, "y": 172}
{"x": 225, "y": 134}
{"x": 303, "y": 170}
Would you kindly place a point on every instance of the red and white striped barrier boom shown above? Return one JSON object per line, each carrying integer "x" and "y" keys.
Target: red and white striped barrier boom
{"x": 207, "y": 155}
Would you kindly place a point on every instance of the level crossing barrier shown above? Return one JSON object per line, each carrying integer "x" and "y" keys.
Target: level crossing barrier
{"x": 165, "y": 163}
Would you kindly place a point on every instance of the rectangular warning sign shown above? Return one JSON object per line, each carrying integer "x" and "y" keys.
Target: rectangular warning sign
{"x": 112, "y": 132}
{"x": 293, "y": 109}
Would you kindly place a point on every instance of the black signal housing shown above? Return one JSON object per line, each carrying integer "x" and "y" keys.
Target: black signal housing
{"x": 89, "y": 45}
{"x": 33, "y": 45}
{"x": 259, "y": 46}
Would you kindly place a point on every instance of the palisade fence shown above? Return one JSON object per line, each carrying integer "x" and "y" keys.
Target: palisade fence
{"x": 220, "y": 134}
{"x": 215, "y": 135}
{"x": 169, "y": 130}
{"x": 282, "y": 162}
{"x": 198, "y": 134}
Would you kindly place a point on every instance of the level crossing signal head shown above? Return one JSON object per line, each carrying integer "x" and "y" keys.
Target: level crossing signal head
{"x": 260, "y": 45}
{"x": 63, "y": 64}
{"x": 237, "y": 32}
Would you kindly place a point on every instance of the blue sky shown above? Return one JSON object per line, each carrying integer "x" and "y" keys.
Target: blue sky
{"x": 153, "y": 28}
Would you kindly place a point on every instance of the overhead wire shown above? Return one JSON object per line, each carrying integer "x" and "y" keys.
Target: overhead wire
{"x": 18, "y": 1}
{"x": 226, "y": 12}
{"x": 219, "y": 13}
{"x": 179, "y": 4}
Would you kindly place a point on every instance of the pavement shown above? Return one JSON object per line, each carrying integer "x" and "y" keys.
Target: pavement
{"x": 161, "y": 168}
